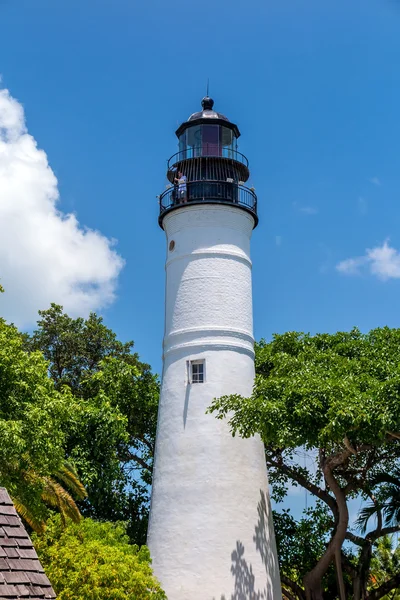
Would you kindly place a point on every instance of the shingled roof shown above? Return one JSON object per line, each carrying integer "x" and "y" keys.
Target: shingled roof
{"x": 21, "y": 574}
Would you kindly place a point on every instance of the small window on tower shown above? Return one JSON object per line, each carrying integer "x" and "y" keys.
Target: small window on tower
{"x": 197, "y": 371}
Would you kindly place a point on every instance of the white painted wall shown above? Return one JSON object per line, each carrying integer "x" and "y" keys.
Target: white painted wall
{"x": 210, "y": 532}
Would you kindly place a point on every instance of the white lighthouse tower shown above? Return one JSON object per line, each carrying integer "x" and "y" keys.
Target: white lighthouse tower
{"x": 210, "y": 531}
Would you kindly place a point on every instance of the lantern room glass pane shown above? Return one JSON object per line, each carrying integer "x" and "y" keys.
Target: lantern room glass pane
{"x": 194, "y": 141}
{"x": 227, "y": 136}
{"x": 228, "y": 142}
{"x": 210, "y": 140}
{"x": 182, "y": 144}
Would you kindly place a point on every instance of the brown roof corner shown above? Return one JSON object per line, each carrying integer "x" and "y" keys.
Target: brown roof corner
{"x": 21, "y": 574}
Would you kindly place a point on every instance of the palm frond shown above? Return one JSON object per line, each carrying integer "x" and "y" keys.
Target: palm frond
{"x": 388, "y": 493}
{"x": 68, "y": 475}
{"x": 53, "y": 495}
{"x": 38, "y": 525}
{"x": 392, "y": 478}
{"x": 392, "y": 511}
{"x": 365, "y": 515}
{"x": 57, "y": 497}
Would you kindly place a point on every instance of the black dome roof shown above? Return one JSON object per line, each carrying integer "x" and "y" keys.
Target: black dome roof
{"x": 207, "y": 112}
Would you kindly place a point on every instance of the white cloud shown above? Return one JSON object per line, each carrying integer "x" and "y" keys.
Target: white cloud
{"x": 381, "y": 261}
{"x": 375, "y": 181}
{"x": 45, "y": 255}
{"x": 351, "y": 266}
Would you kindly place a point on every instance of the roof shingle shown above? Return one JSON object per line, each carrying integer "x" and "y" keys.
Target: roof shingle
{"x": 21, "y": 574}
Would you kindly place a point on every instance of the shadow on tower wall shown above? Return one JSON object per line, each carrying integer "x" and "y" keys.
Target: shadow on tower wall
{"x": 245, "y": 585}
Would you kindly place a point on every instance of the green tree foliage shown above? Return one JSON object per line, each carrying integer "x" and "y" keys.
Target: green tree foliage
{"x": 111, "y": 437}
{"x": 302, "y": 542}
{"x": 98, "y": 409}
{"x": 385, "y": 564}
{"x": 94, "y": 561}
{"x": 32, "y": 419}
{"x": 338, "y": 397}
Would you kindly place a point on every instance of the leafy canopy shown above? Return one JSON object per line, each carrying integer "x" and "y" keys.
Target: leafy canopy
{"x": 301, "y": 543}
{"x": 317, "y": 390}
{"x": 32, "y": 418}
{"x": 385, "y": 563}
{"x": 111, "y": 437}
{"x": 94, "y": 561}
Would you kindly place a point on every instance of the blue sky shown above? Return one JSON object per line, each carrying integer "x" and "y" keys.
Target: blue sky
{"x": 315, "y": 89}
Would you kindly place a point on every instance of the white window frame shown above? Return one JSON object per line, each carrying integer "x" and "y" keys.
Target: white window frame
{"x": 189, "y": 367}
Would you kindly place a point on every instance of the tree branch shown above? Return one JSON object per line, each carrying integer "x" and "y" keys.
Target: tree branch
{"x": 394, "y": 435}
{"x": 348, "y": 445}
{"x": 377, "y": 533}
{"x": 351, "y": 486}
{"x": 363, "y": 569}
{"x": 357, "y": 477}
{"x": 147, "y": 443}
{"x": 296, "y": 589}
{"x": 371, "y": 536}
{"x": 301, "y": 480}
{"x": 139, "y": 461}
{"x": 364, "y": 560}
{"x": 356, "y": 539}
{"x": 339, "y": 574}
{"x": 347, "y": 565}
{"x": 342, "y": 521}
{"x": 378, "y": 514}
{"x": 337, "y": 459}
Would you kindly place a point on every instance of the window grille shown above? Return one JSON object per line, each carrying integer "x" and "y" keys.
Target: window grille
{"x": 196, "y": 371}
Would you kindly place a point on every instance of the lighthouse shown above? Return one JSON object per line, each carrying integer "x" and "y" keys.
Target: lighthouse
{"x": 210, "y": 531}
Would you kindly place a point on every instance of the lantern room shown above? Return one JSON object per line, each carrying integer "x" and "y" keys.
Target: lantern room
{"x": 208, "y": 159}
{"x": 207, "y": 133}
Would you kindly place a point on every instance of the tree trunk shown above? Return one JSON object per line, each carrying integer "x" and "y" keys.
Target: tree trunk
{"x": 357, "y": 587}
{"x": 363, "y": 567}
{"x": 313, "y": 579}
{"x": 313, "y": 587}
{"x": 339, "y": 574}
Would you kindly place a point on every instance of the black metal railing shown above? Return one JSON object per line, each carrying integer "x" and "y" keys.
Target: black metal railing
{"x": 209, "y": 192}
{"x": 209, "y": 151}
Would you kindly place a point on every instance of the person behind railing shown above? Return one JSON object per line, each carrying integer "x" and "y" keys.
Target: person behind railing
{"x": 181, "y": 180}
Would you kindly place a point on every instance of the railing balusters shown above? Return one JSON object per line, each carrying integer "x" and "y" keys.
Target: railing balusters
{"x": 214, "y": 191}
{"x": 210, "y": 150}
